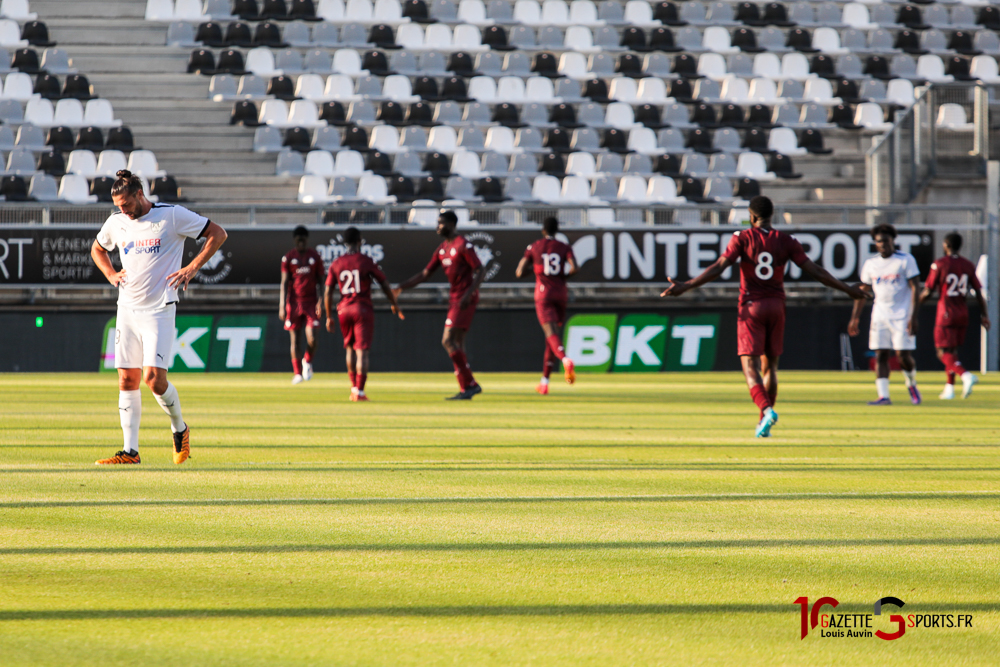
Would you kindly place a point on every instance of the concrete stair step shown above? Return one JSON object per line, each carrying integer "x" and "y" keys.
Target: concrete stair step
{"x": 216, "y": 163}
{"x": 74, "y": 32}
{"x": 47, "y": 9}
{"x": 239, "y": 189}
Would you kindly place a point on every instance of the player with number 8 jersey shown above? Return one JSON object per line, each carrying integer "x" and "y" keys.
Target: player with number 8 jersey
{"x": 553, "y": 262}
{"x": 762, "y": 253}
{"x": 352, "y": 275}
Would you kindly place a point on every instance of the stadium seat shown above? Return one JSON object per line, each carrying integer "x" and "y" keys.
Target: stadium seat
{"x": 74, "y": 189}
{"x": 110, "y": 162}
{"x": 953, "y": 117}
{"x": 143, "y": 163}
{"x": 312, "y": 190}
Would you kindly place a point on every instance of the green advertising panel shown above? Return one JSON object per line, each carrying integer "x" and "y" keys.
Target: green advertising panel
{"x": 641, "y": 340}
{"x": 108, "y": 351}
{"x": 692, "y": 343}
{"x": 589, "y": 341}
{"x": 192, "y": 344}
{"x": 238, "y": 344}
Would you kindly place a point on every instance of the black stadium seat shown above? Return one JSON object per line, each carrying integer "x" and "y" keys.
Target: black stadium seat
{"x": 244, "y": 113}
{"x": 416, "y": 11}
{"x": 333, "y": 113}
{"x": 47, "y": 86}
{"x": 60, "y": 138}
{"x": 238, "y": 34}
{"x": 210, "y": 34}
{"x": 231, "y": 62}
{"x": 298, "y": 139}
{"x": 666, "y": 13}
{"x": 36, "y": 33}
{"x": 13, "y": 188}
{"x": 246, "y": 9}
{"x": 91, "y": 139}
{"x": 274, "y": 9}
{"x": 378, "y": 163}
{"x": 78, "y": 87}
{"x": 165, "y": 187}
{"x": 101, "y": 188}
{"x": 52, "y": 163}
{"x": 495, "y": 37}
{"x": 391, "y": 113}
{"x": 281, "y": 87}
{"x": 376, "y": 63}
{"x": 26, "y": 60}
{"x": 303, "y": 10}
{"x": 120, "y": 138}
{"x": 268, "y": 34}
{"x": 201, "y": 62}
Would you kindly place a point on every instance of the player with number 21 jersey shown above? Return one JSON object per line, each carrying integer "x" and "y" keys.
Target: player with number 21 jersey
{"x": 762, "y": 253}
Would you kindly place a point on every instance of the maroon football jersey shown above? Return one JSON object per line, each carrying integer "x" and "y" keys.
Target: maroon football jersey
{"x": 460, "y": 261}
{"x": 353, "y": 274}
{"x": 550, "y": 259}
{"x": 762, "y": 255}
{"x": 306, "y": 269}
{"x": 954, "y": 276}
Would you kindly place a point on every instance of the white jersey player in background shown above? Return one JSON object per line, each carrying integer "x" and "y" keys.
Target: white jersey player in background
{"x": 150, "y": 240}
{"x": 894, "y": 279}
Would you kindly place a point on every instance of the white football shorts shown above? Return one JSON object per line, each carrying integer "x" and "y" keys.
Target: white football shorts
{"x": 890, "y": 335}
{"x": 144, "y": 337}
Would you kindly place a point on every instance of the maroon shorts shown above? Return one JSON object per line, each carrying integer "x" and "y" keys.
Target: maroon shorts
{"x": 760, "y": 328}
{"x": 459, "y": 318}
{"x": 300, "y": 314}
{"x": 947, "y": 337}
{"x": 357, "y": 324}
{"x": 551, "y": 312}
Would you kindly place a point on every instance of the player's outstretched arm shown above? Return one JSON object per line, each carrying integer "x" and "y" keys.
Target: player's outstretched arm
{"x": 413, "y": 281}
{"x": 391, "y": 295}
{"x": 822, "y": 275}
{"x": 854, "y": 324}
{"x": 215, "y": 236}
{"x": 103, "y": 262}
{"x": 571, "y": 266}
{"x": 708, "y": 275}
{"x": 521, "y": 266}
{"x": 911, "y": 326}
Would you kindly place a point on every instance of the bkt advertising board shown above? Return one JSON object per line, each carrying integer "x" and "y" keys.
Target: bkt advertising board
{"x": 60, "y": 255}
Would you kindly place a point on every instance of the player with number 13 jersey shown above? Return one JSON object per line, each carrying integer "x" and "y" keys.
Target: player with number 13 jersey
{"x": 552, "y": 261}
{"x": 762, "y": 253}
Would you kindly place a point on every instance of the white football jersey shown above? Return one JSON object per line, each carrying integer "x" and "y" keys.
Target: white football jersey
{"x": 151, "y": 248}
{"x": 889, "y": 278}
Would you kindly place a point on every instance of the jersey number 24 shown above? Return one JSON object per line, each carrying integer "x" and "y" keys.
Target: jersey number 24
{"x": 957, "y": 286}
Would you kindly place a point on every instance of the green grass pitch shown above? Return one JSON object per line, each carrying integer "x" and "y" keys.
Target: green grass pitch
{"x": 627, "y": 520}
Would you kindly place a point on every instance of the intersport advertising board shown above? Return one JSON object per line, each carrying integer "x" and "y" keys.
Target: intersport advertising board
{"x": 60, "y": 255}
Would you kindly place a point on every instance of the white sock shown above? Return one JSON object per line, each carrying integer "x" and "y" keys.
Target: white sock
{"x": 962, "y": 376}
{"x": 130, "y": 412}
{"x": 882, "y": 385}
{"x": 171, "y": 404}
{"x": 545, "y": 380}
{"x": 910, "y": 377}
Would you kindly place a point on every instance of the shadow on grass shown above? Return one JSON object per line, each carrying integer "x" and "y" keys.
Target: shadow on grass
{"x": 720, "y": 497}
{"x": 825, "y": 543}
{"x": 472, "y": 611}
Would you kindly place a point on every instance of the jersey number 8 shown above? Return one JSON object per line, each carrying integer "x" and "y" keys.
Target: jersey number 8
{"x": 350, "y": 282}
{"x": 956, "y": 286}
{"x": 551, "y": 264}
{"x": 765, "y": 266}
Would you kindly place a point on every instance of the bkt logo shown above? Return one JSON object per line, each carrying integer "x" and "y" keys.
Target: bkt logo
{"x": 231, "y": 343}
{"x": 598, "y": 343}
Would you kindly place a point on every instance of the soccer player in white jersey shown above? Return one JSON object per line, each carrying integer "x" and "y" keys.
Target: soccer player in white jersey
{"x": 150, "y": 240}
{"x": 894, "y": 279}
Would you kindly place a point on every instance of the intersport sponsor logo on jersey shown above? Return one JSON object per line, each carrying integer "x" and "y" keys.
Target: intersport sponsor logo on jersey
{"x": 642, "y": 343}
{"x": 143, "y": 247}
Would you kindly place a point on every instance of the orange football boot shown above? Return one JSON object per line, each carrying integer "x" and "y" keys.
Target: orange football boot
{"x": 182, "y": 445}
{"x": 570, "y": 370}
{"x": 121, "y": 458}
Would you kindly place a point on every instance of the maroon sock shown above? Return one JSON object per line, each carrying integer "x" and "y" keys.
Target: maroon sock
{"x": 307, "y": 357}
{"x": 354, "y": 378}
{"x": 547, "y": 362}
{"x": 458, "y": 361}
{"x": 467, "y": 377}
{"x": 553, "y": 343}
{"x": 362, "y": 378}
{"x": 759, "y": 396}
{"x": 951, "y": 378}
{"x": 297, "y": 366}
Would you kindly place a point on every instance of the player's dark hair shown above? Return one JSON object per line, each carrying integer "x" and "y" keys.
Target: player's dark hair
{"x": 449, "y": 216}
{"x": 127, "y": 184}
{"x": 351, "y": 236}
{"x": 301, "y": 230}
{"x": 884, "y": 228}
{"x": 954, "y": 241}
{"x": 550, "y": 225}
{"x": 762, "y": 207}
